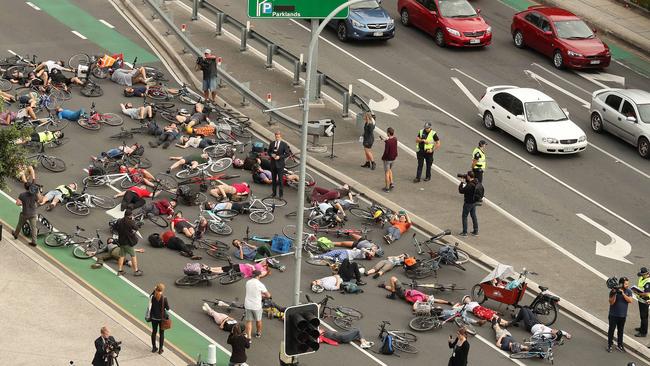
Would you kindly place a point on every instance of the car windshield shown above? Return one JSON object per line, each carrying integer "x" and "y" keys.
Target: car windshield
{"x": 547, "y": 111}
{"x": 371, "y": 4}
{"x": 644, "y": 112}
{"x": 573, "y": 29}
{"x": 456, "y": 9}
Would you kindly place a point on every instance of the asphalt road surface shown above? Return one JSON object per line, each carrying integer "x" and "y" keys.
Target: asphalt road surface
{"x": 420, "y": 66}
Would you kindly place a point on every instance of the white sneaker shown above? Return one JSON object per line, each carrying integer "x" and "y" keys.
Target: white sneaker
{"x": 206, "y": 307}
{"x": 366, "y": 345}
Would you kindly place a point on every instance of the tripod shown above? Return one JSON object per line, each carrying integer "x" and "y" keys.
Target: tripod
{"x": 332, "y": 156}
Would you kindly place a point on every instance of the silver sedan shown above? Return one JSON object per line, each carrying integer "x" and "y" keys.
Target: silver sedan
{"x": 624, "y": 113}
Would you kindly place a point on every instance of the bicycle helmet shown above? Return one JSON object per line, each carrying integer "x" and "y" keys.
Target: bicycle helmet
{"x": 377, "y": 214}
{"x": 317, "y": 288}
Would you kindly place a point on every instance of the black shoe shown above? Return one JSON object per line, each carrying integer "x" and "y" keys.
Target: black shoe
{"x": 416, "y": 180}
{"x": 638, "y": 329}
{"x": 385, "y": 189}
{"x": 376, "y": 275}
{"x": 360, "y": 283}
{"x": 391, "y": 186}
{"x": 32, "y": 244}
{"x": 427, "y": 179}
{"x": 366, "y": 165}
{"x": 154, "y": 349}
{"x": 381, "y": 285}
{"x": 609, "y": 349}
{"x": 15, "y": 235}
{"x": 463, "y": 234}
{"x": 620, "y": 348}
{"x": 391, "y": 296}
{"x": 639, "y": 334}
{"x": 166, "y": 144}
{"x": 373, "y": 165}
{"x": 474, "y": 233}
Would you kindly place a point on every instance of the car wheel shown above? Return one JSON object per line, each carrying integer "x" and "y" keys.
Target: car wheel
{"x": 342, "y": 32}
{"x": 518, "y": 38}
{"x": 531, "y": 144}
{"x": 488, "y": 121}
{"x": 596, "y": 122}
{"x": 439, "y": 38}
{"x": 643, "y": 147}
{"x": 558, "y": 60}
{"x": 404, "y": 18}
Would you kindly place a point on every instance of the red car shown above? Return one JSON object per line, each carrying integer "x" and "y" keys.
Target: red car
{"x": 559, "y": 34}
{"x": 450, "y": 22}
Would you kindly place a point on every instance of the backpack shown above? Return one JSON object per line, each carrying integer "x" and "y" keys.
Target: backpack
{"x": 153, "y": 129}
{"x": 350, "y": 288}
{"x": 479, "y": 191}
{"x": 155, "y": 240}
{"x": 95, "y": 170}
{"x": 447, "y": 254}
{"x": 192, "y": 269}
{"x": 205, "y": 131}
{"x": 258, "y": 147}
{"x": 387, "y": 347}
{"x": 325, "y": 243}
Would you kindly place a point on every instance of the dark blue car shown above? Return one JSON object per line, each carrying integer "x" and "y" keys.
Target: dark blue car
{"x": 367, "y": 20}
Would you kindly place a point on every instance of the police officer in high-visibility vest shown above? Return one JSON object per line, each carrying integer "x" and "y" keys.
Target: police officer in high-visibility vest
{"x": 643, "y": 284}
{"x": 479, "y": 162}
{"x": 427, "y": 142}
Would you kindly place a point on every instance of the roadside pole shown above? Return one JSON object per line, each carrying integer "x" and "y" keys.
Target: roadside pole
{"x": 303, "y": 144}
{"x": 313, "y": 95}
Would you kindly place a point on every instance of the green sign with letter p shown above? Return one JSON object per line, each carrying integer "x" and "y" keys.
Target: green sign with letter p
{"x": 294, "y": 9}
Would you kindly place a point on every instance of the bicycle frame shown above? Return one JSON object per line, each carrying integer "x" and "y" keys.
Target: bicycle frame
{"x": 109, "y": 179}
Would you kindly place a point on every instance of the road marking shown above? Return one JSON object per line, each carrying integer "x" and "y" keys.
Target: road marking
{"x": 106, "y": 23}
{"x": 79, "y": 34}
{"x": 562, "y": 78}
{"x": 466, "y": 91}
{"x": 604, "y": 77}
{"x": 617, "y": 248}
{"x": 12, "y": 52}
{"x": 32, "y": 5}
{"x": 387, "y": 105}
{"x": 620, "y": 161}
{"x": 470, "y": 77}
{"x": 538, "y": 78}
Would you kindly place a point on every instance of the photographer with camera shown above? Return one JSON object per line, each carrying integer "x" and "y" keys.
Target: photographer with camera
{"x": 28, "y": 200}
{"x": 467, "y": 188}
{"x": 619, "y": 297}
{"x": 208, "y": 65}
{"x": 126, "y": 238}
{"x": 106, "y": 348}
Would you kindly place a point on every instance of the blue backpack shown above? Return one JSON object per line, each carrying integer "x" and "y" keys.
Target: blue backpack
{"x": 387, "y": 345}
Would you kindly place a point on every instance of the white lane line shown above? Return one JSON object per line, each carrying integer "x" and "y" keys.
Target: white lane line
{"x": 12, "y": 52}
{"x": 620, "y": 161}
{"x": 32, "y": 5}
{"x": 538, "y": 78}
{"x": 466, "y": 91}
{"x": 107, "y": 23}
{"x": 78, "y": 34}
{"x": 562, "y": 78}
{"x": 470, "y": 77}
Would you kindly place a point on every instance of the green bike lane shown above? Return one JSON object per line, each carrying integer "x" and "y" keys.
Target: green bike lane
{"x": 124, "y": 294}
{"x": 619, "y": 53}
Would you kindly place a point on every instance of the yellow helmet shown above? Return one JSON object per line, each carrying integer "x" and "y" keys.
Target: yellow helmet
{"x": 377, "y": 214}
{"x": 189, "y": 130}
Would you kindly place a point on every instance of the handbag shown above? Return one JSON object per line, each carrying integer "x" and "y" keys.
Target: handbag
{"x": 166, "y": 322}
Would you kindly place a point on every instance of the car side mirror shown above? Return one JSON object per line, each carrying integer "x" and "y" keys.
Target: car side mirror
{"x": 434, "y": 13}
{"x": 631, "y": 119}
{"x": 595, "y": 30}
{"x": 478, "y": 10}
{"x": 548, "y": 32}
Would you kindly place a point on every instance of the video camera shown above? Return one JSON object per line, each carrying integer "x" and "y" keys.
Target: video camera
{"x": 113, "y": 347}
{"x": 613, "y": 283}
{"x": 34, "y": 188}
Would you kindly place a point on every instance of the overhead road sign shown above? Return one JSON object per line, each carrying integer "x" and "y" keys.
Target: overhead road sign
{"x": 295, "y": 9}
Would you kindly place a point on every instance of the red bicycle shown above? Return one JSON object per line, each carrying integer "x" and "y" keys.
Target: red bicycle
{"x": 94, "y": 120}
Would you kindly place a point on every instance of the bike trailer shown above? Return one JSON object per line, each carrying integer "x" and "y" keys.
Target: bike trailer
{"x": 281, "y": 244}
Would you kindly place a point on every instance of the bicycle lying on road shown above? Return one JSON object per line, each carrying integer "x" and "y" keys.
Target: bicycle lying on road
{"x": 193, "y": 276}
{"x": 539, "y": 346}
{"x": 428, "y": 317}
{"x": 84, "y": 247}
{"x": 344, "y": 317}
{"x": 80, "y": 204}
{"x": 401, "y": 339}
{"x": 94, "y": 120}
{"x": 49, "y": 162}
{"x": 446, "y": 254}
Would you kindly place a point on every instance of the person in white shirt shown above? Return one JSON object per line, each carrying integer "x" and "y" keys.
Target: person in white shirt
{"x": 45, "y": 68}
{"x": 329, "y": 283}
{"x": 255, "y": 291}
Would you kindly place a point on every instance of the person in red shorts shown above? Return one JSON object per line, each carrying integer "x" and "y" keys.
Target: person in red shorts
{"x": 222, "y": 191}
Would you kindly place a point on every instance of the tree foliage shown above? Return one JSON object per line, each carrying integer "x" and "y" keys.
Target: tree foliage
{"x": 11, "y": 155}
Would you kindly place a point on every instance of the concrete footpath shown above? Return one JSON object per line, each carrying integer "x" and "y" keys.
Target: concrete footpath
{"x": 50, "y": 319}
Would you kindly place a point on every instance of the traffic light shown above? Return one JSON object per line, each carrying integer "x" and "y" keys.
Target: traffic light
{"x": 301, "y": 329}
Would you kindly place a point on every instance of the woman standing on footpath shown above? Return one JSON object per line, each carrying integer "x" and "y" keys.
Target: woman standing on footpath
{"x": 368, "y": 139}
{"x": 460, "y": 348}
{"x": 156, "y": 312}
{"x": 239, "y": 343}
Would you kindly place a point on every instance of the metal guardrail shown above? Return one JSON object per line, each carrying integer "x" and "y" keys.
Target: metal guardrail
{"x": 272, "y": 48}
{"x": 229, "y": 79}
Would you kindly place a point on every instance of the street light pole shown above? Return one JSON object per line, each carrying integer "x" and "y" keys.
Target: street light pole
{"x": 303, "y": 146}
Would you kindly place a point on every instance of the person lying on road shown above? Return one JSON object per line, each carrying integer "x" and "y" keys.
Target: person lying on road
{"x": 224, "y": 321}
{"x": 183, "y": 226}
{"x": 137, "y": 113}
{"x": 224, "y": 191}
{"x": 338, "y": 255}
{"x": 192, "y": 161}
{"x": 69, "y": 114}
{"x": 8, "y": 117}
{"x": 244, "y": 250}
{"x": 320, "y": 194}
{"x": 25, "y": 173}
{"x": 161, "y": 207}
{"x": 218, "y": 206}
{"x": 246, "y": 269}
{"x": 42, "y": 137}
{"x": 534, "y": 326}
{"x": 333, "y": 337}
{"x": 139, "y": 175}
{"x": 116, "y": 152}
{"x": 133, "y": 197}
{"x": 58, "y": 194}
{"x": 328, "y": 283}
{"x": 400, "y": 224}
{"x": 505, "y": 341}
{"x": 195, "y": 141}
{"x": 129, "y": 77}
{"x": 386, "y": 265}
{"x": 169, "y": 134}
{"x": 112, "y": 251}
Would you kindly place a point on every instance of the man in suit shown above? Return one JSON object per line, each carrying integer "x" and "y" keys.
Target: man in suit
{"x": 101, "y": 343}
{"x": 278, "y": 151}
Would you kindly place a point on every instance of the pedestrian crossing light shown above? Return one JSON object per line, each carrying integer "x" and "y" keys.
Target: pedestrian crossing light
{"x": 301, "y": 330}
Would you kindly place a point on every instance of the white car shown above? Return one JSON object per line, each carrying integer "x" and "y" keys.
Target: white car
{"x": 532, "y": 117}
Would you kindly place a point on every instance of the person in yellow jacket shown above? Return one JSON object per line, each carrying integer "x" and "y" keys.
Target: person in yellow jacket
{"x": 479, "y": 162}
{"x": 427, "y": 142}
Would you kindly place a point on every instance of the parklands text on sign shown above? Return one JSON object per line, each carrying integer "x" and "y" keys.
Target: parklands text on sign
{"x": 311, "y": 9}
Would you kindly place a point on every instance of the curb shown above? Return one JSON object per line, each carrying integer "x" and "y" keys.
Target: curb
{"x": 608, "y": 28}
{"x": 419, "y": 222}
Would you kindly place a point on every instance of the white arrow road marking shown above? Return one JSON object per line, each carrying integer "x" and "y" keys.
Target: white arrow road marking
{"x": 387, "y": 105}
{"x": 618, "y": 248}
{"x": 602, "y": 76}
{"x": 470, "y": 77}
{"x": 464, "y": 89}
{"x": 555, "y": 86}
{"x": 117, "y": 213}
{"x": 561, "y": 78}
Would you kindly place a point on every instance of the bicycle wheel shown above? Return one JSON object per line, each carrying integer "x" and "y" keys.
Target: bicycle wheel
{"x": 100, "y": 72}
{"x": 187, "y": 173}
{"x": 318, "y": 261}
{"x": 546, "y": 312}
{"x": 277, "y": 201}
{"x": 53, "y": 163}
{"x": 122, "y": 135}
{"x": 188, "y": 99}
{"x": 241, "y": 131}
{"x": 404, "y": 335}
{"x": 127, "y": 183}
{"x": 217, "y": 151}
{"x": 86, "y": 250}
{"x": 5, "y": 85}
{"x": 95, "y": 181}
{"x": 227, "y": 213}
{"x": 158, "y": 220}
{"x": 78, "y": 59}
{"x": 57, "y": 125}
{"x": 463, "y": 324}
{"x": 220, "y": 165}
{"x": 292, "y": 161}
{"x": 103, "y": 202}
{"x": 188, "y": 281}
{"x": 141, "y": 161}
{"x": 57, "y": 239}
{"x": 344, "y": 322}
{"x": 261, "y": 217}
{"x": 91, "y": 90}
{"x": 361, "y": 213}
{"x": 478, "y": 295}
{"x": 351, "y": 312}
{"x": 199, "y": 199}
{"x": 78, "y": 208}
{"x": 61, "y": 94}
{"x": 290, "y": 231}
{"x": 405, "y": 347}
{"x": 88, "y": 124}
{"x": 419, "y": 273}
{"x": 111, "y": 119}
{"x": 423, "y": 323}
{"x": 524, "y": 355}
{"x": 217, "y": 254}
{"x": 220, "y": 228}
{"x": 16, "y": 69}
{"x": 463, "y": 257}
{"x": 225, "y": 136}
{"x": 230, "y": 278}
{"x": 157, "y": 94}
{"x": 166, "y": 181}
{"x": 169, "y": 116}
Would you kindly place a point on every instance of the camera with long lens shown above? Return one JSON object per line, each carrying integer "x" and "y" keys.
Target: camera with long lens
{"x": 613, "y": 283}
{"x": 113, "y": 347}
{"x": 461, "y": 175}
{"x": 34, "y": 188}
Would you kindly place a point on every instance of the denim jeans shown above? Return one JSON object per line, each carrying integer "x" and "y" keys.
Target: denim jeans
{"x": 469, "y": 209}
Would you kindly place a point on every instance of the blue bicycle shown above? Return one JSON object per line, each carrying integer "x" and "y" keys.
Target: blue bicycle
{"x": 539, "y": 346}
